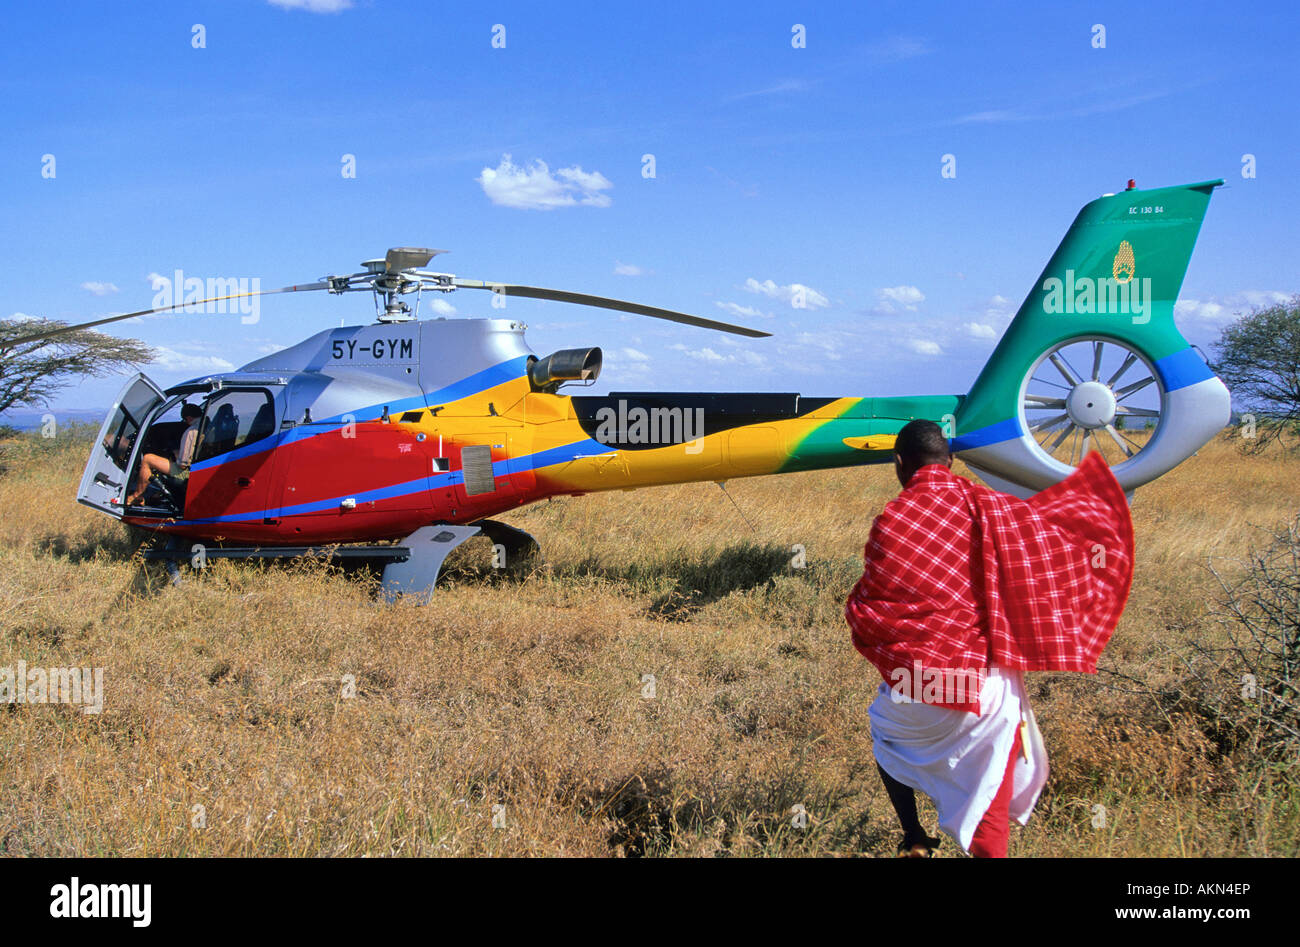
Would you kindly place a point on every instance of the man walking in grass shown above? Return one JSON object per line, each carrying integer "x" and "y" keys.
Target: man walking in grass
{"x": 963, "y": 589}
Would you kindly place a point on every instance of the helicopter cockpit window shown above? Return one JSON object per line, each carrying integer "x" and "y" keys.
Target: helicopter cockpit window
{"x": 233, "y": 419}
{"x": 163, "y": 436}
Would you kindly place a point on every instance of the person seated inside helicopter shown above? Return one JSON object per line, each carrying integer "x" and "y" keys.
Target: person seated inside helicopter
{"x": 178, "y": 468}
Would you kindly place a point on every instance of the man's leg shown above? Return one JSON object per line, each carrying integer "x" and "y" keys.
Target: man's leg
{"x": 148, "y": 464}
{"x": 903, "y": 799}
{"x": 994, "y": 831}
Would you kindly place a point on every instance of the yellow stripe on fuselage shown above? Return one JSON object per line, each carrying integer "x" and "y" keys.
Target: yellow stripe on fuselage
{"x": 523, "y": 422}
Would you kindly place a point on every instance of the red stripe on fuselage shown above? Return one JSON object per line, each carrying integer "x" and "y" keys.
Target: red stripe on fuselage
{"x": 300, "y": 487}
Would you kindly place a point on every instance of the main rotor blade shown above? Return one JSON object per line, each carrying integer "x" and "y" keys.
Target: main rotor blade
{"x": 306, "y": 287}
{"x": 604, "y": 302}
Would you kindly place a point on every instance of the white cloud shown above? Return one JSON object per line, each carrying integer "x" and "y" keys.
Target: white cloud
{"x": 1260, "y": 297}
{"x": 536, "y": 188}
{"x": 831, "y": 344}
{"x": 174, "y": 361}
{"x": 924, "y": 347}
{"x": 98, "y": 288}
{"x": 744, "y": 312}
{"x": 1195, "y": 309}
{"x": 1225, "y": 309}
{"x": 22, "y": 317}
{"x": 797, "y": 295}
{"x": 628, "y": 365}
{"x": 711, "y": 357}
{"x": 585, "y": 181}
{"x": 629, "y": 269}
{"x": 313, "y": 6}
{"x": 992, "y": 318}
{"x": 909, "y": 297}
{"x": 442, "y": 307}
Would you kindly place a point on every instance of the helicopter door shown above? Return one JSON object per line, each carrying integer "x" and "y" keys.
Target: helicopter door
{"x": 232, "y": 471}
{"x": 108, "y": 469}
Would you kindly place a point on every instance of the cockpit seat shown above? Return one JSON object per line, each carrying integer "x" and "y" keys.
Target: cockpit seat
{"x": 263, "y": 424}
{"x": 225, "y": 428}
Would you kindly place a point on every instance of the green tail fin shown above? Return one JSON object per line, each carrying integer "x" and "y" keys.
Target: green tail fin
{"x": 1115, "y": 276}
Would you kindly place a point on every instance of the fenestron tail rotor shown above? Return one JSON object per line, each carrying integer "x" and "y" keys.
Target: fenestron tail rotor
{"x": 1092, "y": 393}
{"x": 401, "y": 272}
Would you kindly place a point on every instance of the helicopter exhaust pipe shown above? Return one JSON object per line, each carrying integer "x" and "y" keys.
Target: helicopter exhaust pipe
{"x": 546, "y": 374}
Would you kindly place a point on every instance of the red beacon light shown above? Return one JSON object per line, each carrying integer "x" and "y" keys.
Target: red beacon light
{"x": 1131, "y": 184}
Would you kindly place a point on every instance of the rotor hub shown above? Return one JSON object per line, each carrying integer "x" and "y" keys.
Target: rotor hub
{"x": 1091, "y": 405}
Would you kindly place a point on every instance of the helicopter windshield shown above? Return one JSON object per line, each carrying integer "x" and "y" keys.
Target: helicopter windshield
{"x": 125, "y": 424}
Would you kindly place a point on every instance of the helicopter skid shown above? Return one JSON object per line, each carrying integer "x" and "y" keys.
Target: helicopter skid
{"x": 410, "y": 567}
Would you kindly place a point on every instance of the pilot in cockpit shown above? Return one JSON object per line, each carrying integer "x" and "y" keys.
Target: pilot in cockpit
{"x": 178, "y": 468}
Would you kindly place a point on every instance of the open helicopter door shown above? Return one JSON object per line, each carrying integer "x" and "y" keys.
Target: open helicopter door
{"x": 108, "y": 469}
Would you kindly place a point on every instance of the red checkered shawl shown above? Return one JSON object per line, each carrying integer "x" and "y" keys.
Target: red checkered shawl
{"x": 961, "y": 576}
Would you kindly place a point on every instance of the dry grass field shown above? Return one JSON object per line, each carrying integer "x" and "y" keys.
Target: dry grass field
{"x": 227, "y": 728}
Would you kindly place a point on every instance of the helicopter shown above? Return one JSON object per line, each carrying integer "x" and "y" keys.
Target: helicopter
{"x": 402, "y": 439}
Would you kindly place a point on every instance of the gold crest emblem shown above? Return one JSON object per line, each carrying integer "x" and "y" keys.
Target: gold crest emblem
{"x": 1124, "y": 266}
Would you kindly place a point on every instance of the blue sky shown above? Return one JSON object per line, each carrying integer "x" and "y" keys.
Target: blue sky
{"x": 775, "y": 167}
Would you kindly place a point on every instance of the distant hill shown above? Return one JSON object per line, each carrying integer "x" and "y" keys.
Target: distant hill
{"x": 29, "y": 420}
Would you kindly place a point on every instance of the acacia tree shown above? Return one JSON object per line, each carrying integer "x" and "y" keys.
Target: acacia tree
{"x": 1258, "y": 358}
{"x": 32, "y": 372}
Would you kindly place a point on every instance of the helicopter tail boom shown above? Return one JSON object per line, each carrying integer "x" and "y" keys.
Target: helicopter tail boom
{"x": 1092, "y": 361}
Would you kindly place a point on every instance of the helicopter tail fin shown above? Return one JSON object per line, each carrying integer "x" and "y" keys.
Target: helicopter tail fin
{"x": 1068, "y": 374}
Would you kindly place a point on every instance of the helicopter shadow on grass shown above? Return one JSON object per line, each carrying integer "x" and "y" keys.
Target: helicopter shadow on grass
{"x": 151, "y": 578}
{"x": 681, "y": 582}
{"x": 124, "y": 546}
{"x": 120, "y": 544}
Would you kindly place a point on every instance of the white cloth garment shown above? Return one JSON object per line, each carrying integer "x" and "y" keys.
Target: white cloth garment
{"x": 958, "y": 759}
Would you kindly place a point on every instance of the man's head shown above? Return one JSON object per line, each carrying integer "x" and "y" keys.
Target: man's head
{"x": 920, "y": 442}
{"x": 190, "y": 413}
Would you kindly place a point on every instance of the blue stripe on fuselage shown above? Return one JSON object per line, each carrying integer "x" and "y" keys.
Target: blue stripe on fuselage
{"x": 501, "y": 468}
{"x": 473, "y": 384}
{"x": 1183, "y": 369}
{"x": 992, "y": 434}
